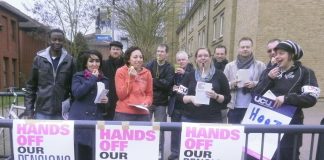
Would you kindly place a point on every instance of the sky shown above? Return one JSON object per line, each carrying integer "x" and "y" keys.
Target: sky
{"x": 18, "y": 4}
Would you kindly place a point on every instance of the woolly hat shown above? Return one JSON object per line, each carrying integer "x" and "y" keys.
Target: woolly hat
{"x": 116, "y": 44}
{"x": 291, "y": 47}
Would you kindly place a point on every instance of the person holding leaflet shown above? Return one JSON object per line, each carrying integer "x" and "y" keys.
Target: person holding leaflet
{"x": 84, "y": 91}
{"x": 219, "y": 94}
{"x": 134, "y": 88}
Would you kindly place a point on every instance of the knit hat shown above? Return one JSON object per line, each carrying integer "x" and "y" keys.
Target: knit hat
{"x": 291, "y": 47}
{"x": 116, "y": 44}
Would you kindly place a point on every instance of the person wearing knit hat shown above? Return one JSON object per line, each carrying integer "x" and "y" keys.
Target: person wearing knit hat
{"x": 109, "y": 69}
{"x": 292, "y": 84}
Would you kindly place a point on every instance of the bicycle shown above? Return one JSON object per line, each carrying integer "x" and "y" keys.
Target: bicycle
{"x": 13, "y": 112}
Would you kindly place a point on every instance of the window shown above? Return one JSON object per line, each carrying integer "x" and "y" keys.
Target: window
{"x": 13, "y": 30}
{"x": 203, "y": 43}
{"x": 14, "y": 75}
{"x": 5, "y": 73}
{"x": 199, "y": 39}
{"x": 221, "y": 25}
{"x": 214, "y": 29}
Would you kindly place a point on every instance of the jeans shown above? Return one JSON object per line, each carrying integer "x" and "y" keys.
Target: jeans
{"x": 236, "y": 115}
{"x": 175, "y": 135}
{"x": 48, "y": 117}
{"x": 160, "y": 115}
{"x": 131, "y": 117}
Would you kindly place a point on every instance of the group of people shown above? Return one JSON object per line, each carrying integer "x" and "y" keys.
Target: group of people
{"x": 166, "y": 89}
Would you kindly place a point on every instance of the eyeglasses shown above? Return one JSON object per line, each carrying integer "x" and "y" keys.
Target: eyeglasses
{"x": 270, "y": 50}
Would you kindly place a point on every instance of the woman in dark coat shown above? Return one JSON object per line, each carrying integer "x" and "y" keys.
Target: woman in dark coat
{"x": 293, "y": 84}
{"x": 84, "y": 91}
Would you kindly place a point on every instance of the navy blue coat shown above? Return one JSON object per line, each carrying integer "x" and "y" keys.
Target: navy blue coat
{"x": 84, "y": 91}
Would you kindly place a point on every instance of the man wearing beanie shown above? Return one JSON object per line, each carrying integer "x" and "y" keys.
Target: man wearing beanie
{"x": 241, "y": 90}
{"x": 293, "y": 84}
{"x": 109, "y": 69}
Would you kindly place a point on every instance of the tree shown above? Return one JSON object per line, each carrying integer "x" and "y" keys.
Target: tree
{"x": 144, "y": 22}
{"x": 72, "y": 16}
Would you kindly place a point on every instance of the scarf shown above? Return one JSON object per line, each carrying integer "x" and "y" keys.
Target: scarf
{"x": 244, "y": 63}
{"x": 87, "y": 74}
{"x": 209, "y": 75}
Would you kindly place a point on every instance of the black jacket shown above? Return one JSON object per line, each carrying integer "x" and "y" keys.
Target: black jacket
{"x": 162, "y": 81}
{"x": 109, "y": 69}
{"x": 290, "y": 85}
{"x": 173, "y": 102}
{"x": 47, "y": 88}
{"x": 220, "y": 65}
{"x": 211, "y": 111}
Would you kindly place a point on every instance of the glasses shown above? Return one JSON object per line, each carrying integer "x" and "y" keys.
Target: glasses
{"x": 270, "y": 50}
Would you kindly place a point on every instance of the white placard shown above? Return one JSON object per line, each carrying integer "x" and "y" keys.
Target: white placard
{"x": 243, "y": 75}
{"x": 43, "y": 139}
{"x": 101, "y": 92}
{"x": 211, "y": 141}
{"x": 261, "y": 111}
{"x": 127, "y": 142}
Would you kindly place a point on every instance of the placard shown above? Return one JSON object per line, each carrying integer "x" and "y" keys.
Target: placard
{"x": 205, "y": 141}
{"x": 43, "y": 139}
{"x": 127, "y": 142}
{"x": 261, "y": 111}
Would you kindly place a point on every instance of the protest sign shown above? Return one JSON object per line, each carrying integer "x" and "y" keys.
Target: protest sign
{"x": 43, "y": 139}
{"x": 261, "y": 111}
{"x": 127, "y": 142}
{"x": 202, "y": 141}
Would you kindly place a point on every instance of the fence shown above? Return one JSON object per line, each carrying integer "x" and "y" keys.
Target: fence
{"x": 167, "y": 126}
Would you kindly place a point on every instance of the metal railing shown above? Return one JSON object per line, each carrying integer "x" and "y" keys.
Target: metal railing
{"x": 168, "y": 126}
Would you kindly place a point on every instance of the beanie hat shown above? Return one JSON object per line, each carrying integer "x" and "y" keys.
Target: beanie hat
{"x": 291, "y": 47}
{"x": 116, "y": 44}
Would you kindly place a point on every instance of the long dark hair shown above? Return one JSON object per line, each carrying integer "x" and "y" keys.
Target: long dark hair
{"x": 83, "y": 57}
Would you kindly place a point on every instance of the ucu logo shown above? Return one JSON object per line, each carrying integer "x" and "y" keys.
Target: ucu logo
{"x": 263, "y": 101}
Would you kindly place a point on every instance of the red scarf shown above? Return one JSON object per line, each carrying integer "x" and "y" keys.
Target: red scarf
{"x": 87, "y": 74}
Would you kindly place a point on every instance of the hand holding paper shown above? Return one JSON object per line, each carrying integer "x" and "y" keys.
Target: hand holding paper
{"x": 101, "y": 92}
{"x": 243, "y": 76}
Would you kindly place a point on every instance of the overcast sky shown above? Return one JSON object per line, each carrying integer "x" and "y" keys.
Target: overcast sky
{"x": 18, "y": 4}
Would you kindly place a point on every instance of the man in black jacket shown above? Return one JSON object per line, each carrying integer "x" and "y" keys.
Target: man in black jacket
{"x": 109, "y": 69}
{"x": 50, "y": 80}
{"x": 219, "y": 59}
{"x": 162, "y": 74}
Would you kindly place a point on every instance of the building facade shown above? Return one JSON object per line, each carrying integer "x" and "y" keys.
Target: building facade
{"x": 20, "y": 38}
{"x": 209, "y": 23}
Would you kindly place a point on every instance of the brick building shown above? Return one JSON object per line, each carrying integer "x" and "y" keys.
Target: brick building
{"x": 20, "y": 38}
{"x": 208, "y": 23}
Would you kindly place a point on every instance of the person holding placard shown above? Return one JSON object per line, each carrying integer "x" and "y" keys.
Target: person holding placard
{"x": 292, "y": 84}
{"x": 243, "y": 74}
{"x": 134, "y": 88}
{"x": 84, "y": 91}
{"x": 210, "y": 81}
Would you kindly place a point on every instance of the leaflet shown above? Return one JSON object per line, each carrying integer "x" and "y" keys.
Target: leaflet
{"x": 201, "y": 96}
{"x": 101, "y": 92}
{"x": 140, "y": 106}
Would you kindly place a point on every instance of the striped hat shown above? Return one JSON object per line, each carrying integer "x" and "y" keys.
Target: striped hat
{"x": 291, "y": 47}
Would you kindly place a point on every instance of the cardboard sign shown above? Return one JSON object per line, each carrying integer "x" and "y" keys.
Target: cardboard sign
{"x": 43, "y": 139}
{"x": 211, "y": 141}
{"x": 261, "y": 111}
{"x": 127, "y": 142}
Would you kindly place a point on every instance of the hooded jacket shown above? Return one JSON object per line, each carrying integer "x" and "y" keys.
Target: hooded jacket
{"x": 46, "y": 87}
{"x": 133, "y": 90}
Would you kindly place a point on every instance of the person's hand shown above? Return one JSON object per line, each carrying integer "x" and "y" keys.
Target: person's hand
{"x": 132, "y": 71}
{"x": 273, "y": 60}
{"x": 279, "y": 101}
{"x": 104, "y": 100}
{"x": 234, "y": 83}
{"x": 179, "y": 70}
{"x": 274, "y": 73}
{"x": 95, "y": 72}
{"x": 211, "y": 94}
{"x": 249, "y": 84}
